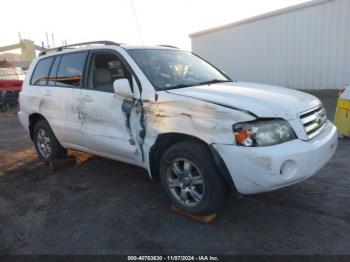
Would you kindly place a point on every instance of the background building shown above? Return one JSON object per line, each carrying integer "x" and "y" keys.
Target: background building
{"x": 26, "y": 52}
{"x": 306, "y": 46}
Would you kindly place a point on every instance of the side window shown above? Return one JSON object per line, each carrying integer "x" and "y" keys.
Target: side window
{"x": 53, "y": 72}
{"x": 105, "y": 68}
{"x": 41, "y": 72}
{"x": 70, "y": 69}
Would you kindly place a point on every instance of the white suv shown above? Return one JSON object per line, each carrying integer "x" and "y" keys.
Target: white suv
{"x": 177, "y": 116}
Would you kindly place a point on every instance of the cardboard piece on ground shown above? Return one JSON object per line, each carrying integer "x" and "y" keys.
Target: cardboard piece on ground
{"x": 204, "y": 219}
{"x": 58, "y": 164}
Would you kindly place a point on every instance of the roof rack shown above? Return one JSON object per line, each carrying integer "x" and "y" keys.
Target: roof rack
{"x": 170, "y": 46}
{"x": 58, "y": 49}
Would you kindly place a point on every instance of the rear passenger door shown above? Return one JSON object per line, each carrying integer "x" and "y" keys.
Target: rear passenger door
{"x": 104, "y": 124}
{"x": 48, "y": 99}
{"x": 56, "y": 84}
{"x": 67, "y": 81}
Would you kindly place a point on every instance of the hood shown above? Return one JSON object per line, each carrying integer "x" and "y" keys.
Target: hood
{"x": 259, "y": 99}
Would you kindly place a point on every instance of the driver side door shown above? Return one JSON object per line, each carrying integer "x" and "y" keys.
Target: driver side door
{"x": 104, "y": 123}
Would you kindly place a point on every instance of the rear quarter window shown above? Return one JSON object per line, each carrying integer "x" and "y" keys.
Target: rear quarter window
{"x": 70, "y": 70}
{"x": 41, "y": 72}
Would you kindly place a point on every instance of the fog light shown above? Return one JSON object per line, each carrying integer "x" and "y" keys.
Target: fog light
{"x": 289, "y": 169}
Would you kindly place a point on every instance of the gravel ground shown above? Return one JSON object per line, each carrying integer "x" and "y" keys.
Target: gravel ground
{"x": 106, "y": 207}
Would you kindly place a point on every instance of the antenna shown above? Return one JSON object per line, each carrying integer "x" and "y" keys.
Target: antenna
{"x": 140, "y": 33}
{"x": 137, "y": 22}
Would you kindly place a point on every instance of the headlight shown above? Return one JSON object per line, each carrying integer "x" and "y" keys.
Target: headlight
{"x": 263, "y": 133}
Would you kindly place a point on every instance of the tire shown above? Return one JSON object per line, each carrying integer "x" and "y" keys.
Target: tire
{"x": 201, "y": 190}
{"x": 46, "y": 143}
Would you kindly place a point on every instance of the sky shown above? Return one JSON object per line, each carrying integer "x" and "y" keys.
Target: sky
{"x": 160, "y": 21}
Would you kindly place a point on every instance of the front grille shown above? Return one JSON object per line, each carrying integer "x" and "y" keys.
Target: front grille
{"x": 314, "y": 121}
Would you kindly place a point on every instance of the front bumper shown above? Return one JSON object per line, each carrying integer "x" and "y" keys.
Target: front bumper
{"x": 262, "y": 169}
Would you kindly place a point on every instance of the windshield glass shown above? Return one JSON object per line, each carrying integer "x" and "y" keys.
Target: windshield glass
{"x": 169, "y": 69}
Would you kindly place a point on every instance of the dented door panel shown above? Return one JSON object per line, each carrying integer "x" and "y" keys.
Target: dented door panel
{"x": 104, "y": 125}
{"x": 73, "y": 122}
{"x": 54, "y": 107}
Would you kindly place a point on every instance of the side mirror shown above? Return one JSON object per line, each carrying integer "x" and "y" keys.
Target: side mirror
{"x": 122, "y": 88}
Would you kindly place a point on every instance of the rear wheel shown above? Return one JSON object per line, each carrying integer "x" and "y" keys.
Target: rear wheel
{"x": 190, "y": 178}
{"x": 46, "y": 143}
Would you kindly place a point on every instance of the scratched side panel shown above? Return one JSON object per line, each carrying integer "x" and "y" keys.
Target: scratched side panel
{"x": 209, "y": 122}
{"x": 176, "y": 114}
{"x": 48, "y": 102}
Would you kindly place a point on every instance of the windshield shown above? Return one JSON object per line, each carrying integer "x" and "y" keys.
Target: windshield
{"x": 169, "y": 69}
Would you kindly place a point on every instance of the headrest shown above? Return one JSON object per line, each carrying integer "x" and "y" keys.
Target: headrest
{"x": 102, "y": 76}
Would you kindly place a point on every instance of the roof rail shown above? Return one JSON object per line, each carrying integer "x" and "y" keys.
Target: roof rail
{"x": 60, "y": 48}
{"x": 170, "y": 46}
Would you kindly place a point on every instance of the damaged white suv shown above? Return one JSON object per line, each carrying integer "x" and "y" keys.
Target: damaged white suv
{"x": 177, "y": 116}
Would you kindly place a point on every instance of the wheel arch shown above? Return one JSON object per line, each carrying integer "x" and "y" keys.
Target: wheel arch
{"x": 164, "y": 141}
{"x": 33, "y": 119}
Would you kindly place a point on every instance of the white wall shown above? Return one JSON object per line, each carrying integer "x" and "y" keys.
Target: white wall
{"x": 307, "y": 48}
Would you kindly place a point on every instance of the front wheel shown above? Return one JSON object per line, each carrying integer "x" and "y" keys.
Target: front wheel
{"x": 190, "y": 178}
{"x": 46, "y": 143}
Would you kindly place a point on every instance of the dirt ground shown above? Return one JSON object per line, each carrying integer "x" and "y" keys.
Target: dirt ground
{"x": 105, "y": 207}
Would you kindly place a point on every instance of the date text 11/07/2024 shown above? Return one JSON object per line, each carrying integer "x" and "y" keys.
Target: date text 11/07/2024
{"x": 173, "y": 258}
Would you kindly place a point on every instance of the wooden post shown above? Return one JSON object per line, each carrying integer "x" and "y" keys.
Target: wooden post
{"x": 200, "y": 218}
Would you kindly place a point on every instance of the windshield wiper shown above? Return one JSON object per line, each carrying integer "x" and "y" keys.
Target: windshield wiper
{"x": 178, "y": 86}
{"x": 213, "y": 81}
